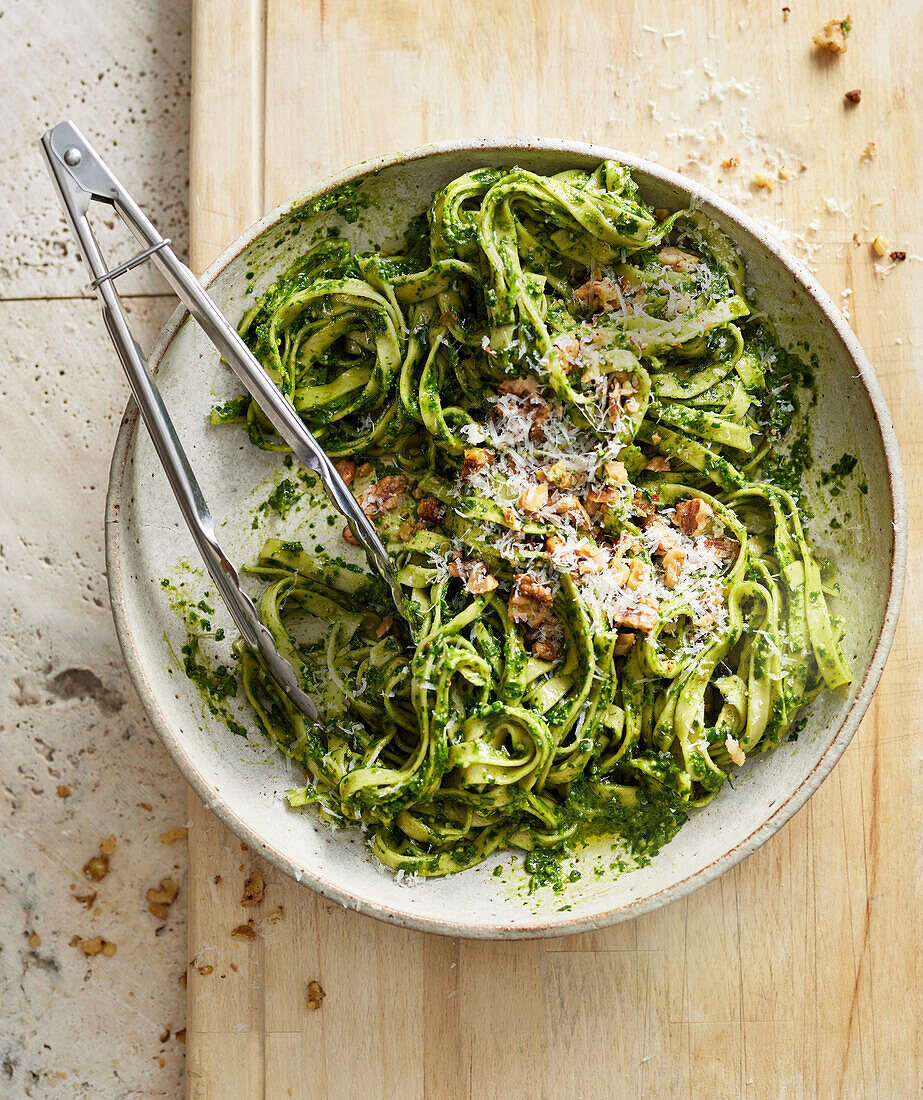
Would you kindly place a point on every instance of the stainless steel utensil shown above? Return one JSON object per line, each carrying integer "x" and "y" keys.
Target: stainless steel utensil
{"x": 81, "y": 177}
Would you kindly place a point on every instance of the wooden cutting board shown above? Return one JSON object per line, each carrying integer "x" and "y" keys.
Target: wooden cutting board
{"x": 796, "y": 973}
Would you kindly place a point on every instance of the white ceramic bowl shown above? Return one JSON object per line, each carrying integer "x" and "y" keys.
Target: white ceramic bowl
{"x": 242, "y": 780}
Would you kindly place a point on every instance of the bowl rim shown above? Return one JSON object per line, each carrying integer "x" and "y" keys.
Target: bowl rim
{"x": 530, "y": 928}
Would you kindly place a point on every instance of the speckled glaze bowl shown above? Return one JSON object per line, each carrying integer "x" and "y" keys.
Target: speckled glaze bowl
{"x": 243, "y": 779}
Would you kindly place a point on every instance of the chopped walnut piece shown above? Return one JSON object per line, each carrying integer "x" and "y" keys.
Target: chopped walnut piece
{"x": 384, "y": 496}
{"x": 673, "y": 566}
{"x": 384, "y": 626}
{"x": 897, "y": 257}
{"x": 619, "y": 572}
{"x": 63, "y": 791}
{"x": 476, "y": 458}
{"x": 179, "y": 833}
{"x": 832, "y": 36}
{"x": 879, "y": 246}
{"x": 727, "y": 549}
{"x": 474, "y": 573}
{"x": 316, "y": 995}
{"x": 599, "y": 292}
{"x": 623, "y": 643}
{"x": 636, "y": 574}
{"x": 642, "y": 615}
{"x": 546, "y": 650}
{"x": 529, "y": 399}
{"x": 97, "y": 945}
{"x": 528, "y": 586}
{"x": 642, "y": 505}
{"x": 678, "y": 259}
{"x": 692, "y": 516}
{"x": 254, "y": 888}
{"x": 429, "y": 510}
{"x": 244, "y": 931}
{"x": 591, "y": 560}
{"x": 534, "y": 498}
{"x": 349, "y": 537}
{"x": 615, "y": 473}
{"x": 346, "y": 468}
{"x": 527, "y": 386}
{"x": 557, "y": 474}
{"x": 530, "y": 607}
{"x": 572, "y": 509}
{"x": 598, "y": 497}
{"x": 854, "y": 96}
{"x": 96, "y": 868}
{"x": 658, "y": 465}
{"x": 160, "y": 899}
{"x": 661, "y": 213}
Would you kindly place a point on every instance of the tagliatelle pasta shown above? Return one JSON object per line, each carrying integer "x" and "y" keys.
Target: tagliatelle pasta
{"x": 562, "y": 412}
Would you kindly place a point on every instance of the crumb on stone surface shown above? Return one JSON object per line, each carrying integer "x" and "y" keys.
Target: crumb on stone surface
{"x": 172, "y": 835}
{"x": 316, "y": 995}
{"x": 96, "y": 945}
{"x": 161, "y": 898}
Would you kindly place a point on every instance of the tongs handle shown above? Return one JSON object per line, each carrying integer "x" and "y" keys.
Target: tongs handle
{"x": 77, "y": 168}
{"x": 66, "y": 150}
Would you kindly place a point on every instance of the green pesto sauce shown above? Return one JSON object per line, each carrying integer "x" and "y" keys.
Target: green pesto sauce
{"x": 216, "y": 682}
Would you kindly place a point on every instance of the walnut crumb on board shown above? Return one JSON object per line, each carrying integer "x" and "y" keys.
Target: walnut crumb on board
{"x": 854, "y": 96}
{"x": 254, "y": 888}
{"x": 897, "y": 257}
{"x": 180, "y": 1036}
{"x": 244, "y": 931}
{"x": 766, "y": 182}
{"x": 172, "y": 835}
{"x": 879, "y": 246}
{"x": 870, "y": 151}
{"x": 316, "y": 995}
{"x": 786, "y": 12}
{"x": 832, "y": 36}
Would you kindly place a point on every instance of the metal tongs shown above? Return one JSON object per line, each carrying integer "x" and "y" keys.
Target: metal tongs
{"x": 81, "y": 177}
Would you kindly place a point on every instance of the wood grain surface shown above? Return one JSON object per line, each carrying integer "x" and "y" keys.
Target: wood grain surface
{"x": 798, "y": 972}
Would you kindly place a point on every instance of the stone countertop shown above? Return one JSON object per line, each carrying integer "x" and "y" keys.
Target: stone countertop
{"x": 90, "y": 967}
